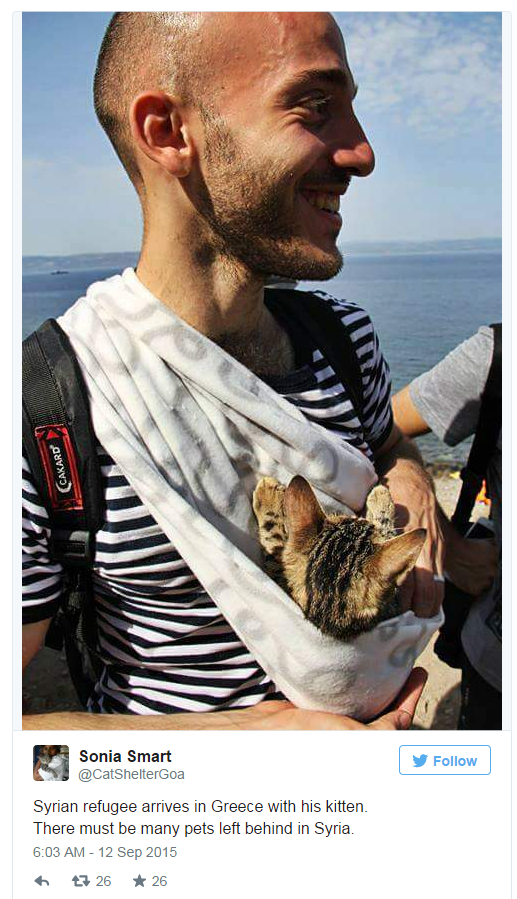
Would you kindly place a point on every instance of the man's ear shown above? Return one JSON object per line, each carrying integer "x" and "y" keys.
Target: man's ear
{"x": 160, "y": 133}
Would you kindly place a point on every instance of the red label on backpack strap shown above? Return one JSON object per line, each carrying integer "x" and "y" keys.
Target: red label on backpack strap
{"x": 60, "y": 467}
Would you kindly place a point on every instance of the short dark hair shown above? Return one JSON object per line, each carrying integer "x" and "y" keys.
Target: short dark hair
{"x": 51, "y": 749}
{"x": 144, "y": 51}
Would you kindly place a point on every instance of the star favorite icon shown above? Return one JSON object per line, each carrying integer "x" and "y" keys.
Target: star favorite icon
{"x": 139, "y": 881}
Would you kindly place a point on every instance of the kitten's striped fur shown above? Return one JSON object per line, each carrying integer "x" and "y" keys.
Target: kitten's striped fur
{"x": 343, "y": 572}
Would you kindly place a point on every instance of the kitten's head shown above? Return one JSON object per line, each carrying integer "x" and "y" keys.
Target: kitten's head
{"x": 344, "y": 572}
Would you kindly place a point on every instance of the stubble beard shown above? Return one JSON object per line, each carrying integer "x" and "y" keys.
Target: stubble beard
{"x": 246, "y": 206}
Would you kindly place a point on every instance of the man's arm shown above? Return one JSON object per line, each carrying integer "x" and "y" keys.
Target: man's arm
{"x": 33, "y": 638}
{"x": 399, "y": 466}
{"x": 264, "y": 716}
{"x": 272, "y": 715}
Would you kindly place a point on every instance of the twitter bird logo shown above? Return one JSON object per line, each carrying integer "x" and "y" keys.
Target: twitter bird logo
{"x": 419, "y": 760}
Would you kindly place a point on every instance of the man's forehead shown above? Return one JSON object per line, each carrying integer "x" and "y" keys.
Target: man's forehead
{"x": 248, "y": 48}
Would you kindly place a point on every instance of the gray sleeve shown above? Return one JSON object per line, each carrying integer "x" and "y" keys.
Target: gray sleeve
{"x": 448, "y": 396}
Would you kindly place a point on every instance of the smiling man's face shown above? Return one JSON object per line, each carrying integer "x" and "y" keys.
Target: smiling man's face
{"x": 280, "y": 144}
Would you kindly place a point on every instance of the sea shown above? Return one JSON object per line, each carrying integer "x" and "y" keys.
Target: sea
{"x": 423, "y": 300}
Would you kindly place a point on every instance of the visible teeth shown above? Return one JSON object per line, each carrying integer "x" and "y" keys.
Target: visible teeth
{"x": 328, "y": 202}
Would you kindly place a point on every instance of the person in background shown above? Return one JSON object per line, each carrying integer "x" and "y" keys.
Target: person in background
{"x": 446, "y": 400}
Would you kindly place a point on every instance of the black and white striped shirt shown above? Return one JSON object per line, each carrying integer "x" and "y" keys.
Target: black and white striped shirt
{"x": 165, "y": 645}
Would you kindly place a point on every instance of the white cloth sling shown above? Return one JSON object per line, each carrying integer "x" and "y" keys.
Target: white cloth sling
{"x": 193, "y": 431}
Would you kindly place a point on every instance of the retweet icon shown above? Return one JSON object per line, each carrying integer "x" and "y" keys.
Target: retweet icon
{"x": 419, "y": 760}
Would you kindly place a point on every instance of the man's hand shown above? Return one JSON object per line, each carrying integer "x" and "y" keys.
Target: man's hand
{"x": 415, "y": 502}
{"x": 264, "y": 716}
{"x": 412, "y": 490}
{"x": 284, "y": 716}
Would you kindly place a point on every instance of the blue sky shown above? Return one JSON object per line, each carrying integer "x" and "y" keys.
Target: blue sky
{"x": 429, "y": 99}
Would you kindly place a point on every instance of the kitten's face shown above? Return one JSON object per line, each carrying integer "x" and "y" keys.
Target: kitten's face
{"x": 342, "y": 571}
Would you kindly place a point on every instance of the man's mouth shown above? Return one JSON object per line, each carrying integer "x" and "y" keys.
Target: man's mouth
{"x": 326, "y": 202}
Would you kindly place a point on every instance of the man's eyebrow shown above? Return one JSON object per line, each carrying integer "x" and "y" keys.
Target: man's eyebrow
{"x": 331, "y": 76}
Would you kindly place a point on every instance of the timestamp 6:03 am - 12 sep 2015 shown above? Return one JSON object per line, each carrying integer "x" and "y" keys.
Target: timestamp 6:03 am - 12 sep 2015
{"x": 105, "y": 852}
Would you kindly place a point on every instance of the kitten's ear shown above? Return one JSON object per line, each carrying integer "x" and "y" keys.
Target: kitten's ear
{"x": 395, "y": 558}
{"x": 303, "y": 514}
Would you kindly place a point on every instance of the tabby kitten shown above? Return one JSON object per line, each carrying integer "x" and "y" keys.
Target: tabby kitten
{"x": 343, "y": 572}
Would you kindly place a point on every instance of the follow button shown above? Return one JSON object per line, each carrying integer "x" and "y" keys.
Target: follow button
{"x": 445, "y": 759}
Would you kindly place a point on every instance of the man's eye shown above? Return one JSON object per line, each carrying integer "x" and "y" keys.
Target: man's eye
{"x": 319, "y": 106}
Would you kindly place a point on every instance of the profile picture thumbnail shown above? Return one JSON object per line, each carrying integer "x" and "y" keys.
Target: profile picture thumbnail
{"x": 50, "y": 762}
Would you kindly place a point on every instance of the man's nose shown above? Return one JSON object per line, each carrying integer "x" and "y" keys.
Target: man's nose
{"x": 353, "y": 150}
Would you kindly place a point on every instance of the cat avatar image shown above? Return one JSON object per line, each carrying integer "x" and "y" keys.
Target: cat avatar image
{"x": 343, "y": 572}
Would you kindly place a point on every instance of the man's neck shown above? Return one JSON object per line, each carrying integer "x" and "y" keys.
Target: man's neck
{"x": 215, "y": 300}
{"x": 222, "y": 300}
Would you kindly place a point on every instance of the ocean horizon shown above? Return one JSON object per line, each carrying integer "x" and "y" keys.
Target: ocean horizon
{"x": 33, "y": 263}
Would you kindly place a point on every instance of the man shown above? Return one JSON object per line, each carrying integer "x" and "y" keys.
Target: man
{"x": 446, "y": 400}
{"x": 238, "y": 177}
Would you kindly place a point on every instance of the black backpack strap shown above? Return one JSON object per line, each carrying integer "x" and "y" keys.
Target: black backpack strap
{"x": 60, "y": 444}
{"x": 316, "y": 315}
{"x": 485, "y": 438}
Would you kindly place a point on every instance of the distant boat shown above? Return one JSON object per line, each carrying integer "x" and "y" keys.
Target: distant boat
{"x": 59, "y": 271}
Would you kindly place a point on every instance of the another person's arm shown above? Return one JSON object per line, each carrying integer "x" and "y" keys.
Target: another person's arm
{"x": 406, "y": 415}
